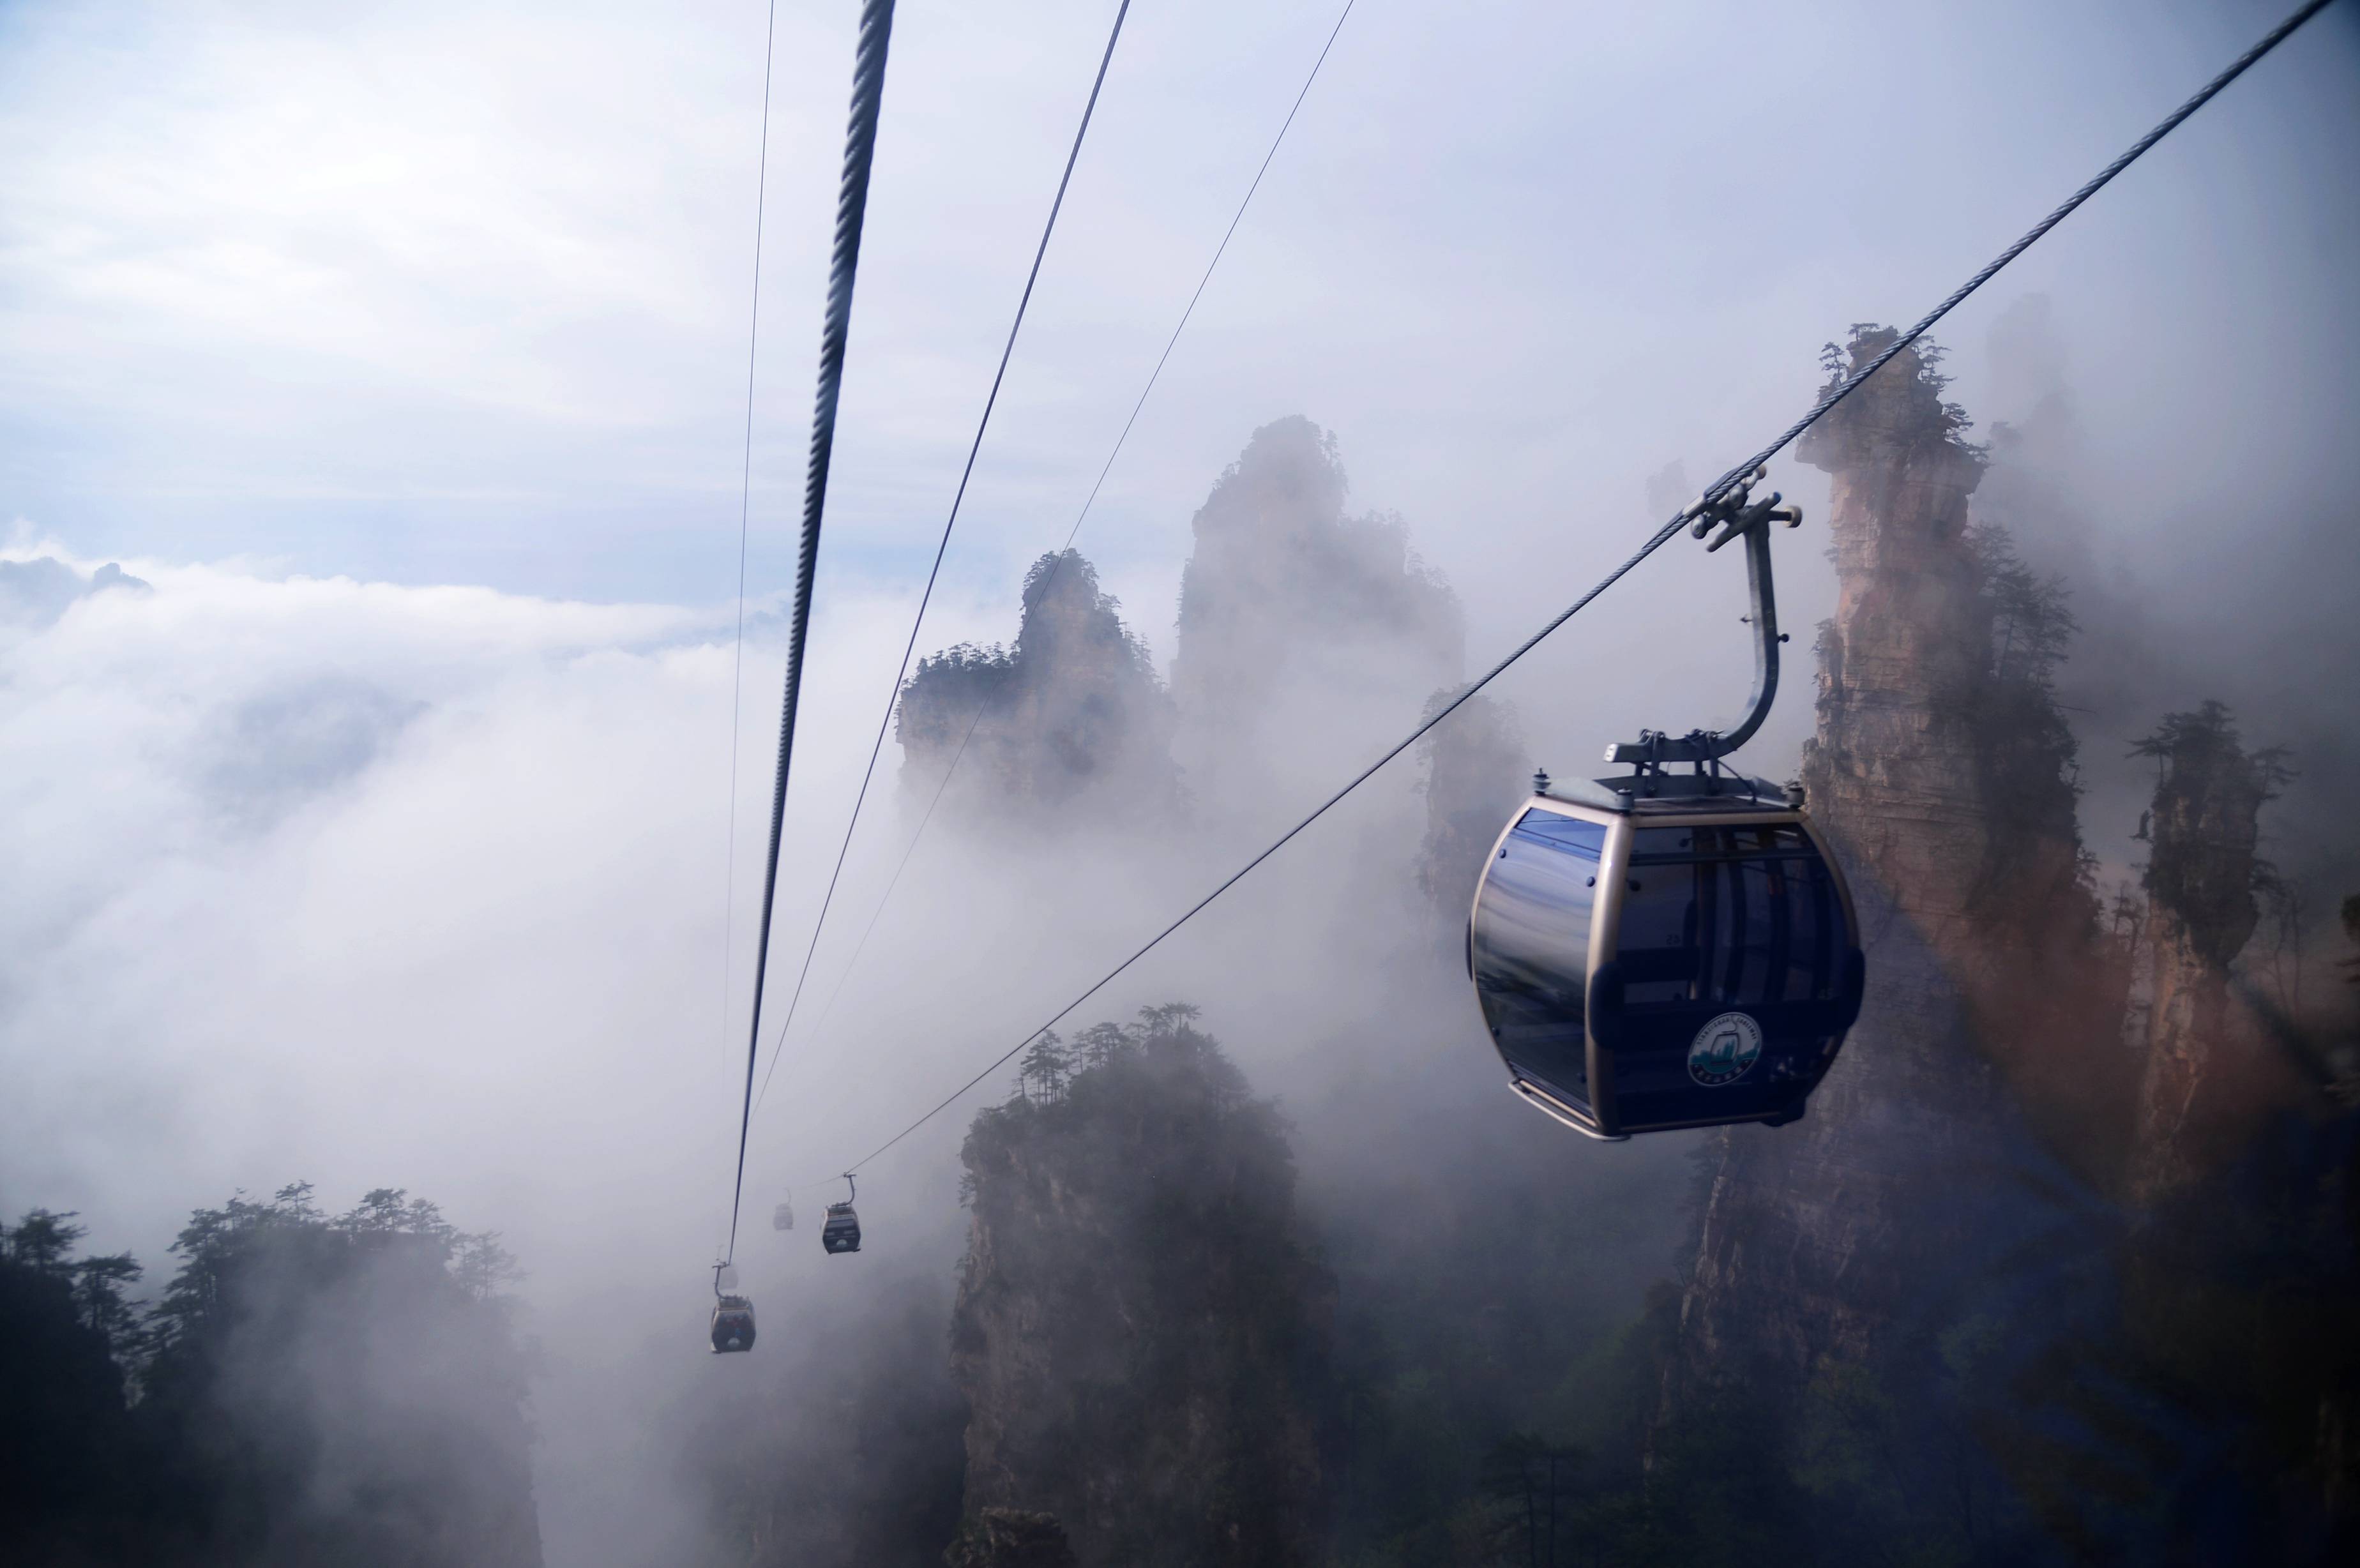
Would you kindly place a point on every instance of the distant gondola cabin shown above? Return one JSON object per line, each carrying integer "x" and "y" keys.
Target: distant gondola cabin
{"x": 733, "y": 1323}
{"x": 841, "y": 1233}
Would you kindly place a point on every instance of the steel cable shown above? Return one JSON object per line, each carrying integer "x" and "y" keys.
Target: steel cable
{"x": 1655, "y": 542}
{"x": 745, "y": 512}
{"x": 1058, "y": 561}
{"x": 844, "y": 264}
{"x": 894, "y": 697}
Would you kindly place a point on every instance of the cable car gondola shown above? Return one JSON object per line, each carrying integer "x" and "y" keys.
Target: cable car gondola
{"x": 733, "y": 1315}
{"x": 784, "y": 1216}
{"x": 841, "y": 1233}
{"x": 1663, "y": 950}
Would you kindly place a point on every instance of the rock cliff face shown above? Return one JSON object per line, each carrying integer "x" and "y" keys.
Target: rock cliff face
{"x": 1140, "y": 1331}
{"x": 2202, "y": 1072}
{"x": 1305, "y": 635}
{"x": 1008, "y": 1538}
{"x": 1476, "y": 769}
{"x": 1925, "y": 1293}
{"x": 1939, "y": 756}
{"x": 1070, "y": 719}
{"x": 1940, "y": 774}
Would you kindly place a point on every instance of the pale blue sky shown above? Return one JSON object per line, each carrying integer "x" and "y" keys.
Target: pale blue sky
{"x": 458, "y": 293}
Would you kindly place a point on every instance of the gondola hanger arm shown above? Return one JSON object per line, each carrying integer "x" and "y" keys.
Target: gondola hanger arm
{"x": 1737, "y": 514}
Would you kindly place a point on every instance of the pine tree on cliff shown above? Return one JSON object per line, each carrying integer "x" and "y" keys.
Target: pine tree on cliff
{"x": 1141, "y": 1329}
{"x": 2201, "y": 1089}
{"x": 69, "y": 1480}
{"x": 1044, "y": 1067}
{"x": 2350, "y": 914}
{"x": 342, "y": 1388}
{"x": 312, "y": 1390}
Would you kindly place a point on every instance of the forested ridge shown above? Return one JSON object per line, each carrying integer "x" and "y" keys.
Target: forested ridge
{"x": 307, "y": 1388}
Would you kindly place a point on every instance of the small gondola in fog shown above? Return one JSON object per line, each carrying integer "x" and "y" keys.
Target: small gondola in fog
{"x": 841, "y": 1233}
{"x": 733, "y": 1314}
{"x": 1670, "y": 949}
{"x": 784, "y": 1216}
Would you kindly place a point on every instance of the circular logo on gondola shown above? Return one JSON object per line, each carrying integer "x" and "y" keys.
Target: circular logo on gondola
{"x": 1724, "y": 1050}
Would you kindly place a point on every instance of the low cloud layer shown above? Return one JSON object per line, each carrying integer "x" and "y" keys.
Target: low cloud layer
{"x": 369, "y": 391}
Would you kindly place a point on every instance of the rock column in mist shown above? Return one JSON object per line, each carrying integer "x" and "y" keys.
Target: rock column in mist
{"x": 1942, "y": 785}
{"x": 1072, "y": 720}
{"x": 1477, "y": 770}
{"x": 2201, "y": 1069}
{"x": 1142, "y": 1329}
{"x": 1307, "y": 638}
{"x": 1305, "y": 635}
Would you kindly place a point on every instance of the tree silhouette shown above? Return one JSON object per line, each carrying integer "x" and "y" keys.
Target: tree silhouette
{"x": 2351, "y": 916}
{"x": 1103, "y": 1042}
{"x": 63, "y": 1433}
{"x": 1044, "y": 1067}
{"x": 1538, "y": 1481}
{"x": 2032, "y": 618}
{"x": 1171, "y": 1018}
{"x": 44, "y": 1241}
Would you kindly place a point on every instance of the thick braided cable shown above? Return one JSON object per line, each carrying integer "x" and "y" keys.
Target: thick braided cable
{"x": 835, "y": 325}
{"x": 1058, "y": 562}
{"x": 893, "y": 697}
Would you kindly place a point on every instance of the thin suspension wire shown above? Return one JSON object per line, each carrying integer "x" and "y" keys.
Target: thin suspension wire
{"x": 893, "y": 697}
{"x": 1058, "y": 562}
{"x": 1219, "y": 251}
{"x": 1655, "y": 542}
{"x": 745, "y": 511}
{"x": 844, "y": 265}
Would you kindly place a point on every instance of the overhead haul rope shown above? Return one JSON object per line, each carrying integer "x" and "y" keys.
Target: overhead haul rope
{"x": 893, "y": 697}
{"x": 851, "y": 208}
{"x": 1655, "y": 542}
{"x": 1058, "y": 561}
{"x": 745, "y": 510}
